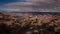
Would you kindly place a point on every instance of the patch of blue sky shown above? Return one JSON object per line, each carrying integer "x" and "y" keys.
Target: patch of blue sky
{"x": 9, "y": 1}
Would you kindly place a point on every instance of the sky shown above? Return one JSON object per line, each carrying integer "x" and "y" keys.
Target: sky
{"x": 29, "y": 5}
{"x": 3, "y": 7}
{"x": 9, "y": 1}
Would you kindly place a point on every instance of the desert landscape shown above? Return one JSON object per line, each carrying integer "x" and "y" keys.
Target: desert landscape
{"x": 29, "y": 23}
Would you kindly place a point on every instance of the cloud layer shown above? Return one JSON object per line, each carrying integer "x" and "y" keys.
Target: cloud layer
{"x": 35, "y": 5}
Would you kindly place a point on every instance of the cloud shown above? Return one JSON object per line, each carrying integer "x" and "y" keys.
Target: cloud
{"x": 21, "y": 4}
{"x": 47, "y": 1}
{"x": 34, "y": 5}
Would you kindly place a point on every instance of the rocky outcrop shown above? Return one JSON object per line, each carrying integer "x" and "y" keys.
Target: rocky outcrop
{"x": 28, "y": 23}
